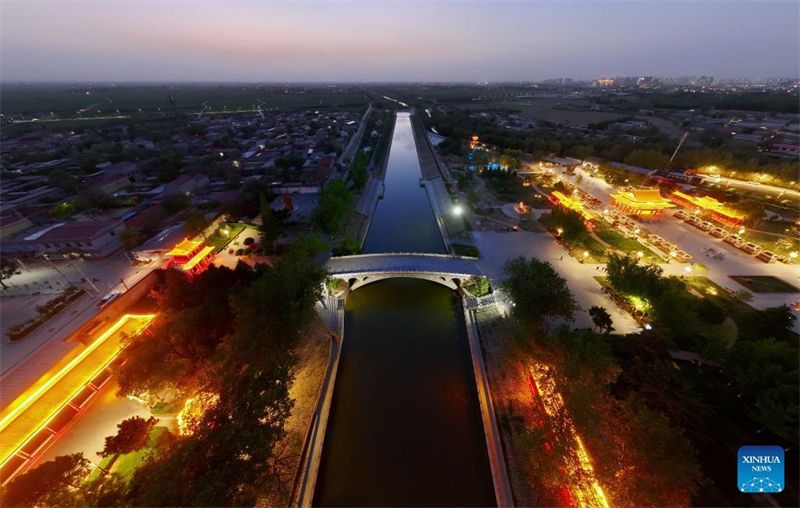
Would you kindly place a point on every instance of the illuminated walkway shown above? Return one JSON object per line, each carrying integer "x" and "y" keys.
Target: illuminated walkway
{"x": 36, "y": 407}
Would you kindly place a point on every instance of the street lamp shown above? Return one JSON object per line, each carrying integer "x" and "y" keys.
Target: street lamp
{"x": 639, "y": 254}
{"x": 585, "y": 254}
{"x": 457, "y": 210}
{"x": 687, "y": 269}
{"x": 741, "y": 231}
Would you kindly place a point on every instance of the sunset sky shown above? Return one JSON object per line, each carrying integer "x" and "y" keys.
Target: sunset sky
{"x": 386, "y": 41}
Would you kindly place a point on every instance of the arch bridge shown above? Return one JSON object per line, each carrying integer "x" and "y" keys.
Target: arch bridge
{"x": 363, "y": 269}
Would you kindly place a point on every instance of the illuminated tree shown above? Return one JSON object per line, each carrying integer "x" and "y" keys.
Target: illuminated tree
{"x": 538, "y": 292}
{"x": 132, "y": 435}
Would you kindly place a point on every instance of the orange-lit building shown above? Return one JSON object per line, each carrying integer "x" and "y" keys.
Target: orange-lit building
{"x": 47, "y": 405}
{"x": 190, "y": 258}
{"x": 706, "y": 204}
{"x": 558, "y": 198}
{"x": 647, "y": 204}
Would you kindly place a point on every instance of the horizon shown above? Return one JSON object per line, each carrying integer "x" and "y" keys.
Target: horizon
{"x": 363, "y": 42}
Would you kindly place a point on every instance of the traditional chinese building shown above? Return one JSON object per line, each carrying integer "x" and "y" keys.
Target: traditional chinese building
{"x": 190, "y": 258}
{"x": 647, "y": 204}
{"x": 706, "y": 204}
{"x": 560, "y": 199}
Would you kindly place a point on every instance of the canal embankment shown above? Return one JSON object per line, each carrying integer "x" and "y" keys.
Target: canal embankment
{"x": 494, "y": 445}
{"x": 331, "y": 313}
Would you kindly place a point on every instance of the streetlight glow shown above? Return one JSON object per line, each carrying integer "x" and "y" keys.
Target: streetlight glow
{"x": 457, "y": 210}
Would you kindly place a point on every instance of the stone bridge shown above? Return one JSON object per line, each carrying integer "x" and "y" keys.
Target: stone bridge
{"x": 363, "y": 269}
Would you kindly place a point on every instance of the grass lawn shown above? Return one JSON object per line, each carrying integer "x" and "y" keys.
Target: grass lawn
{"x": 220, "y": 241}
{"x": 764, "y": 284}
{"x": 717, "y": 295}
{"x": 597, "y": 252}
{"x": 628, "y": 245}
{"x": 777, "y": 244}
{"x": 126, "y": 464}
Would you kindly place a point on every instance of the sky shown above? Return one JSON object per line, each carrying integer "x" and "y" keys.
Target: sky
{"x": 355, "y": 41}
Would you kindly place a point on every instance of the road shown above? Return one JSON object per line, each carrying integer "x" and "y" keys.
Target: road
{"x": 751, "y": 187}
{"x": 107, "y": 272}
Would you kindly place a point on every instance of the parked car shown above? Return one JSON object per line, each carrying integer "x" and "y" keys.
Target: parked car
{"x": 106, "y": 300}
{"x": 718, "y": 232}
{"x": 732, "y": 239}
{"x": 681, "y": 215}
{"x": 751, "y": 248}
{"x": 766, "y": 256}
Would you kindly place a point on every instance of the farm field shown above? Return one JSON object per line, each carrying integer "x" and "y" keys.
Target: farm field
{"x": 65, "y": 100}
{"x": 547, "y": 109}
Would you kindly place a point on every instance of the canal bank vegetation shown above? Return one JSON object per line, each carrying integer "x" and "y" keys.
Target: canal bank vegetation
{"x": 653, "y": 409}
{"x": 586, "y": 433}
{"x": 228, "y": 337}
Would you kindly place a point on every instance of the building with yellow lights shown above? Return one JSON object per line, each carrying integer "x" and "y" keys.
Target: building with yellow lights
{"x": 647, "y": 204}
{"x": 706, "y": 204}
{"x": 190, "y": 257}
{"x": 47, "y": 404}
{"x": 559, "y": 199}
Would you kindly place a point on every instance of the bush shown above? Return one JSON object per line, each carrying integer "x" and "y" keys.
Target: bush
{"x": 466, "y": 250}
{"x": 239, "y": 252}
{"x": 478, "y": 286}
{"x": 335, "y": 284}
{"x": 249, "y": 240}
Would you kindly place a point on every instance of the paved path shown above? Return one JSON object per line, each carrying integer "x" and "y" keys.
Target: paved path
{"x": 497, "y": 247}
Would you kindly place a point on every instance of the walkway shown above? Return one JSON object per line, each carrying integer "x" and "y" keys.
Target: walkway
{"x": 403, "y": 263}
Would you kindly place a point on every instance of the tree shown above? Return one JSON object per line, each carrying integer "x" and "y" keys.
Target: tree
{"x": 8, "y": 269}
{"x": 334, "y": 207}
{"x": 176, "y": 203}
{"x": 270, "y": 229}
{"x": 132, "y": 434}
{"x": 51, "y": 484}
{"x": 538, "y": 292}
{"x": 195, "y": 223}
{"x": 767, "y": 371}
{"x": 63, "y": 179}
{"x": 131, "y": 237}
{"x": 601, "y": 319}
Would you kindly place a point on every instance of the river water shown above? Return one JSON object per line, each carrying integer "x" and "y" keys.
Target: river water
{"x": 404, "y": 220}
{"x": 405, "y": 426}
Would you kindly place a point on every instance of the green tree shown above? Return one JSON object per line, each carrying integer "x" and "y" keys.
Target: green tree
{"x": 767, "y": 371}
{"x": 54, "y": 483}
{"x": 63, "y": 179}
{"x": 538, "y": 292}
{"x": 601, "y": 319}
{"x": 176, "y": 203}
{"x": 195, "y": 223}
{"x": 132, "y": 435}
{"x": 131, "y": 237}
{"x": 270, "y": 229}
{"x": 8, "y": 269}
{"x": 334, "y": 206}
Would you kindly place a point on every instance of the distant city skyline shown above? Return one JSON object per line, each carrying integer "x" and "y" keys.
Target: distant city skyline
{"x": 332, "y": 41}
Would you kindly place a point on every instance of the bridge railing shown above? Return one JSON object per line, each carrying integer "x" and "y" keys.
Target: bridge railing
{"x": 417, "y": 254}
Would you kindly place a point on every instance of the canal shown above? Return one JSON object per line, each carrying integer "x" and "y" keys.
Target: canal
{"x": 404, "y": 220}
{"x": 405, "y": 426}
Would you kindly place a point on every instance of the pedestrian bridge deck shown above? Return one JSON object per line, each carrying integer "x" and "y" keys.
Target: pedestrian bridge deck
{"x": 403, "y": 263}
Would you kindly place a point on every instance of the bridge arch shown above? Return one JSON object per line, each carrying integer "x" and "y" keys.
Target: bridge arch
{"x": 449, "y": 271}
{"x": 355, "y": 282}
